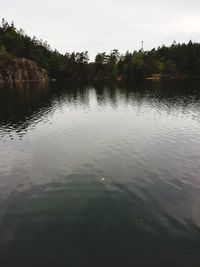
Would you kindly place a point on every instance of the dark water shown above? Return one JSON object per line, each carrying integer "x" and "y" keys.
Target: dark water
{"x": 105, "y": 176}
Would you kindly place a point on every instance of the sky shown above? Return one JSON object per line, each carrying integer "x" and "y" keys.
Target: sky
{"x": 103, "y": 25}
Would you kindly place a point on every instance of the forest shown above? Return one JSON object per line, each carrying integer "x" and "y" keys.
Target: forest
{"x": 175, "y": 61}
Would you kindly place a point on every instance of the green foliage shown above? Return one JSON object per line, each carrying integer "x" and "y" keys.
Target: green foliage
{"x": 3, "y": 52}
{"x": 178, "y": 60}
{"x": 4, "y": 58}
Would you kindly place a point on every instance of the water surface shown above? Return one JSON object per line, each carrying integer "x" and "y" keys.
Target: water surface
{"x": 100, "y": 176}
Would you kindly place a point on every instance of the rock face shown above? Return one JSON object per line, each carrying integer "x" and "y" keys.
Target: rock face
{"x": 23, "y": 70}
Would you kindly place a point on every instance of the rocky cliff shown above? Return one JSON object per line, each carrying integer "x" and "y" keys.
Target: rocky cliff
{"x": 23, "y": 70}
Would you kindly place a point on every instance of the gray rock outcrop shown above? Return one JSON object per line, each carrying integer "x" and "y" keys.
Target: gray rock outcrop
{"x": 23, "y": 70}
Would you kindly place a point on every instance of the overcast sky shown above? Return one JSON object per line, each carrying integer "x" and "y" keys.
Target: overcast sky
{"x": 102, "y": 25}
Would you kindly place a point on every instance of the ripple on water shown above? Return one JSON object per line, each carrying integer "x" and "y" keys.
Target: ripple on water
{"x": 118, "y": 166}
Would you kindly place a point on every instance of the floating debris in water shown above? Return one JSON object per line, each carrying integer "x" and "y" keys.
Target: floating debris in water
{"x": 104, "y": 227}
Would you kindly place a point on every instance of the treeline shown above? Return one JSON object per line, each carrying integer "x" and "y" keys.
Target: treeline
{"x": 178, "y": 60}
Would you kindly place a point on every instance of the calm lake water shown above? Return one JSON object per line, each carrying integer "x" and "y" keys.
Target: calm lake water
{"x": 101, "y": 176}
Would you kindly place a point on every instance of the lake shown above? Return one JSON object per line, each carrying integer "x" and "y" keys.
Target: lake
{"x": 104, "y": 175}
